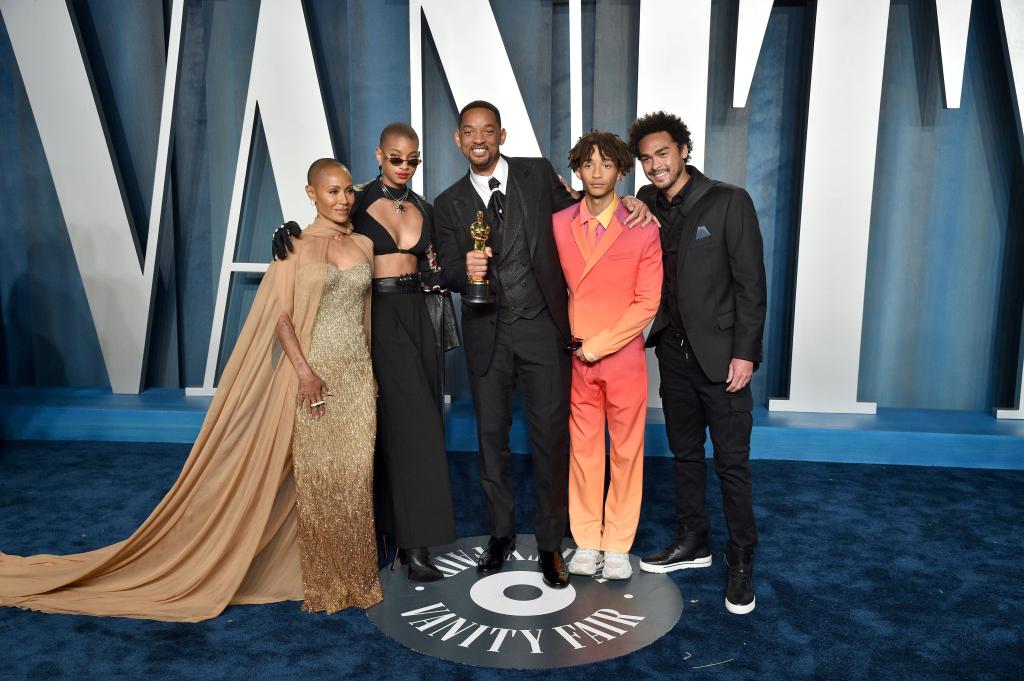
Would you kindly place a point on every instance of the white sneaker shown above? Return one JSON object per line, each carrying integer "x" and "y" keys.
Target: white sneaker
{"x": 584, "y": 562}
{"x": 616, "y": 566}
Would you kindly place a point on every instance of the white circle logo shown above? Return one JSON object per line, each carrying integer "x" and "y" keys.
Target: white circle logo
{"x": 495, "y": 593}
{"x": 511, "y": 619}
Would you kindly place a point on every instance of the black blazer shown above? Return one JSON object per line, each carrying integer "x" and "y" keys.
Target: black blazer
{"x": 541, "y": 194}
{"x": 720, "y": 280}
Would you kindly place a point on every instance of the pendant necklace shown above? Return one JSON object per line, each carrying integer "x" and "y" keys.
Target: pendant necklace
{"x": 399, "y": 200}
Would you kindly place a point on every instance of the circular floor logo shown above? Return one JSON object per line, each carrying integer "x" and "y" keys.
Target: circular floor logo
{"x": 511, "y": 619}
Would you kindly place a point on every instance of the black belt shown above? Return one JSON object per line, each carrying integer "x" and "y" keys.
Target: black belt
{"x": 407, "y": 283}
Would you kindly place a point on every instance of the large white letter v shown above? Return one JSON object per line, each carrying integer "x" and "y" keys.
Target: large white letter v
{"x": 118, "y": 279}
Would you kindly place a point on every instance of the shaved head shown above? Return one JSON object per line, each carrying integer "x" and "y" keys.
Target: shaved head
{"x": 398, "y": 130}
{"x": 320, "y": 166}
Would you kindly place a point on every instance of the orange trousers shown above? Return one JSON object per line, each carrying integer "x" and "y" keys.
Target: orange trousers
{"x": 612, "y": 390}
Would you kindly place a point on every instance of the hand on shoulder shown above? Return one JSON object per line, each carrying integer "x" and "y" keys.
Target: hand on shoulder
{"x": 282, "y": 243}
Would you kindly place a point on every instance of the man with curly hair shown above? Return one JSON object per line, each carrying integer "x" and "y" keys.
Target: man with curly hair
{"x": 707, "y": 336}
{"x": 614, "y": 279}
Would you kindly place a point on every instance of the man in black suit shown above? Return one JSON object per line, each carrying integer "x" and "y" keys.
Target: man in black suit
{"x": 707, "y": 336}
{"x": 523, "y": 336}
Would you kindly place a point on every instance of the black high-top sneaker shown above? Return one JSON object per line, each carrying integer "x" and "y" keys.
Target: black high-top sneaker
{"x": 689, "y": 550}
{"x": 739, "y": 593}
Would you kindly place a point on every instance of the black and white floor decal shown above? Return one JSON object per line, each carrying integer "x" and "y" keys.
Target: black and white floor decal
{"x": 511, "y": 619}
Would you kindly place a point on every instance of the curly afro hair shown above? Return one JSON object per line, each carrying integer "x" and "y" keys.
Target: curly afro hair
{"x": 609, "y": 145}
{"x": 659, "y": 121}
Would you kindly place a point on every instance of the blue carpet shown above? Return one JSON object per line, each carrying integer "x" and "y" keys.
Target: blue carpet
{"x": 864, "y": 572}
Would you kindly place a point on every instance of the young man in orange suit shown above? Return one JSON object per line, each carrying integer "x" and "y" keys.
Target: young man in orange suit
{"x": 614, "y": 276}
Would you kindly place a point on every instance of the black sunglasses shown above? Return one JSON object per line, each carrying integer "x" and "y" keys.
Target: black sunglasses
{"x": 397, "y": 161}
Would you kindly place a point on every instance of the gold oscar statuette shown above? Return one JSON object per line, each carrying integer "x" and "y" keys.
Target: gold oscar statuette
{"x": 479, "y": 290}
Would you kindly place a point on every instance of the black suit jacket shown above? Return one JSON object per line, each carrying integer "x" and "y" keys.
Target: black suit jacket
{"x": 720, "y": 280}
{"x": 541, "y": 194}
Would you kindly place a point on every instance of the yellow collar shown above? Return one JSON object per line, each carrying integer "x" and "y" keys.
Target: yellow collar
{"x": 605, "y": 218}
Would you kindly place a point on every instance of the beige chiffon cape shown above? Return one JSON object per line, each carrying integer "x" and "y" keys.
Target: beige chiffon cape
{"x": 226, "y": 532}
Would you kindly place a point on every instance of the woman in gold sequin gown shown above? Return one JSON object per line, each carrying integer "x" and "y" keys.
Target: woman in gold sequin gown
{"x": 274, "y": 502}
{"x": 335, "y": 415}
{"x": 332, "y": 454}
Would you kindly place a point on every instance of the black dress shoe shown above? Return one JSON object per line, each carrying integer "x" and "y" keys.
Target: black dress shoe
{"x": 739, "y": 593}
{"x": 494, "y": 556}
{"x": 556, "y": 575}
{"x": 688, "y": 551}
{"x": 421, "y": 568}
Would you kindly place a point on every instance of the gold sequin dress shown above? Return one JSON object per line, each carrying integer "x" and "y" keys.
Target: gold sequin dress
{"x": 228, "y": 530}
{"x": 333, "y": 456}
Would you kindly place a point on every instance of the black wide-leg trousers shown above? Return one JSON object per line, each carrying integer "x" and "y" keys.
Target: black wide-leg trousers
{"x": 415, "y": 503}
{"x": 527, "y": 352}
{"x": 693, "y": 404}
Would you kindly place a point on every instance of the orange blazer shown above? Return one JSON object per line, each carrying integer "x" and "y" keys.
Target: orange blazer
{"x": 615, "y": 286}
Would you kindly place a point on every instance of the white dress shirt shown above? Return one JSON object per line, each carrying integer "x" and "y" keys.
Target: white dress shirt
{"x": 480, "y": 182}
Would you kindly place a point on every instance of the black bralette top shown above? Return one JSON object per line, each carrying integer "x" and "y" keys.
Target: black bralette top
{"x": 383, "y": 242}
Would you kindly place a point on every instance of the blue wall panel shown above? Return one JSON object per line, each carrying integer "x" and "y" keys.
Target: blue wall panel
{"x": 946, "y": 183}
{"x": 942, "y": 316}
{"x": 49, "y": 337}
{"x": 216, "y": 55}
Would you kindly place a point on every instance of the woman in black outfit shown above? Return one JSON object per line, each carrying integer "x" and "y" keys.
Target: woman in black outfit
{"x": 414, "y": 497}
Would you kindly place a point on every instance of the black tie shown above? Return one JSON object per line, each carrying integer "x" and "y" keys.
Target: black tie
{"x": 496, "y": 206}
